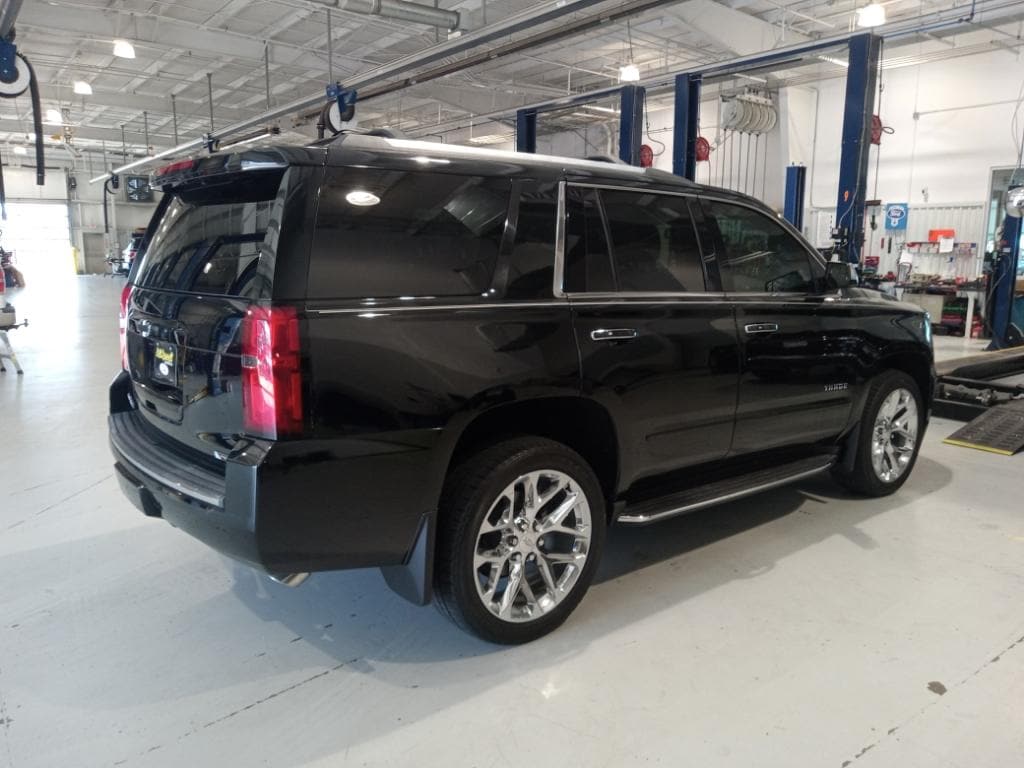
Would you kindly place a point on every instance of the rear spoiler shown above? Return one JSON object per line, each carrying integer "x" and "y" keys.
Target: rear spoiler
{"x": 193, "y": 170}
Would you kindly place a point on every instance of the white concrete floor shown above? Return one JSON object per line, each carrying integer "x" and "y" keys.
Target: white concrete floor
{"x": 952, "y": 347}
{"x": 799, "y": 628}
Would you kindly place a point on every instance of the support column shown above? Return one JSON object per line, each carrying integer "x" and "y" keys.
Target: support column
{"x": 861, "y": 83}
{"x": 796, "y": 179}
{"x": 526, "y": 130}
{"x": 1004, "y": 280}
{"x": 631, "y": 123}
{"x": 687, "y": 119}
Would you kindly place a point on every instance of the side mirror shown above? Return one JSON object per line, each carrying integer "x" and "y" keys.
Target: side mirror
{"x": 840, "y": 274}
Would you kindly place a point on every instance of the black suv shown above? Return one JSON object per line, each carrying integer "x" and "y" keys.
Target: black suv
{"x": 463, "y": 365}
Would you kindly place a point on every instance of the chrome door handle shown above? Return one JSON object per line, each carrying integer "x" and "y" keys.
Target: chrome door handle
{"x": 613, "y": 334}
{"x": 761, "y": 327}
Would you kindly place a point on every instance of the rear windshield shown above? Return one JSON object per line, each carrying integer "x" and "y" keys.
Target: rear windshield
{"x": 211, "y": 240}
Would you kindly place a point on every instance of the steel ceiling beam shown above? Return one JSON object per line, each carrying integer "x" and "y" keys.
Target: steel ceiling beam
{"x": 550, "y": 11}
{"x": 397, "y": 9}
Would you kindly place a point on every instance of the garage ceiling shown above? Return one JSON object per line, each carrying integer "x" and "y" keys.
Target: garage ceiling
{"x": 178, "y": 43}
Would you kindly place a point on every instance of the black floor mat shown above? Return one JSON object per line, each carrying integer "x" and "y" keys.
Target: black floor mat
{"x": 1000, "y": 429}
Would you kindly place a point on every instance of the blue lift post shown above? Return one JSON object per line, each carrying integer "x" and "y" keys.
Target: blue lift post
{"x": 687, "y": 121}
{"x": 1004, "y": 280}
{"x": 526, "y": 130}
{"x": 861, "y": 82}
{"x": 631, "y": 123}
{"x": 793, "y": 210}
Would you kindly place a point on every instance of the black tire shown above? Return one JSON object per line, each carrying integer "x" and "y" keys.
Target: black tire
{"x": 860, "y": 475}
{"x": 469, "y": 496}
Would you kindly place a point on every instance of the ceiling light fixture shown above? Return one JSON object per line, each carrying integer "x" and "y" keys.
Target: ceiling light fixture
{"x": 19, "y": 150}
{"x": 630, "y": 73}
{"x": 491, "y": 138}
{"x": 53, "y": 117}
{"x": 872, "y": 15}
{"x": 123, "y": 49}
{"x": 82, "y": 88}
{"x": 604, "y": 110}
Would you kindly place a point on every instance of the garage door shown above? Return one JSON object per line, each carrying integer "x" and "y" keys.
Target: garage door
{"x": 40, "y": 237}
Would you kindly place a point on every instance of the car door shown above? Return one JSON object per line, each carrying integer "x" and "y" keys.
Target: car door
{"x": 797, "y": 361}
{"x": 656, "y": 348}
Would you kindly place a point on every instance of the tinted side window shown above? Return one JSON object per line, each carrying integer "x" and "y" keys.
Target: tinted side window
{"x": 588, "y": 265}
{"x": 760, "y": 256}
{"x": 654, "y": 243}
{"x": 531, "y": 264}
{"x": 384, "y": 233}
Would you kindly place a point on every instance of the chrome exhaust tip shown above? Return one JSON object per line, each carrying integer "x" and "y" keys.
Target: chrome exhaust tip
{"x": 289, "y": 579}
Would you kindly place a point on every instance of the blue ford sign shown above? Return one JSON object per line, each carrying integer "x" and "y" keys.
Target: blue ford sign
{"x": 896, "y": 216}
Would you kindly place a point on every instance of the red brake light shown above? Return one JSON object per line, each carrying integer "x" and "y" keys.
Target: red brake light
{"x": 126, "y": 293}
{"x": 271, "y": 372}
{"x": 181, "y": 165}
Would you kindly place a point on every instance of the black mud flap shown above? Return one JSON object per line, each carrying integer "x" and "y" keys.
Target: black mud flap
{"x": 414, "y": 579}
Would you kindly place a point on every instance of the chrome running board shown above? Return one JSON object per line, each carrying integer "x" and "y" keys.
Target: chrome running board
{"x": 692, "y": 499}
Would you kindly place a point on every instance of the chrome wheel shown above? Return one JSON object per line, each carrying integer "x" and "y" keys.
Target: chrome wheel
{"x": 532, "y": 545}
{"x": 894, "y": 438}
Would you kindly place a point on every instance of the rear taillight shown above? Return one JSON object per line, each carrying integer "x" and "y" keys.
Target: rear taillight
{"x": 271, "y": 372}
{"x": 126, "y": 293}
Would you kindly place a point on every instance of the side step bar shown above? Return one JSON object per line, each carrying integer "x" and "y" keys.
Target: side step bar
{"x": 692, "y": 499}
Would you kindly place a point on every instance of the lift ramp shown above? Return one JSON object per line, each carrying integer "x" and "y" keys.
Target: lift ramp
{"x": 1000, "y": 429}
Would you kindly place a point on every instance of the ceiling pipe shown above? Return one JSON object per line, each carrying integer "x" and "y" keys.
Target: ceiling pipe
{"x": 937, "y": 20}
{"x": 526, "y": 19}
{"x": 401, "y": 10}
{"x": 8, "y": 13}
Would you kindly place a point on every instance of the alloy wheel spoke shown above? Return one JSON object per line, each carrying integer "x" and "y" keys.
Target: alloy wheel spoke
{"x": 890, "y": 456}
{"x": 565, "y": 557}
{"x": 558, "y": 515}
{"x": 545, "y": 573}
{"x": 529, "y": 486}
{"x": 506, "y": 517}
{"x": 489, "y": 557}
{"x": 527, "y": 591}
{"x": 515, "y": 579}
{"x": 492, "y": 580}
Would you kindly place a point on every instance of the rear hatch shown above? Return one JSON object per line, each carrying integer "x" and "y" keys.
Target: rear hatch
{"x": 210, "y": 258}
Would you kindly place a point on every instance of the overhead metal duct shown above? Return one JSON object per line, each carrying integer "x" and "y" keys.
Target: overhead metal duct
{"x": 397, "y": 9}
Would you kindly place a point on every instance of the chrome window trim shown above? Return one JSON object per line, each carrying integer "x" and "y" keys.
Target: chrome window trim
{"x": 623, "y": 188}
{"x": 569, "y": 300}
{"x": 558, "y": 286}
{"x": 643, "y": 295}
{"x": 380, "y": 310}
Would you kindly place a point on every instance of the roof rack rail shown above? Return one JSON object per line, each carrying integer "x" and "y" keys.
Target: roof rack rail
{"x": 605, "y": 159}
{"x": 384, "y": 133}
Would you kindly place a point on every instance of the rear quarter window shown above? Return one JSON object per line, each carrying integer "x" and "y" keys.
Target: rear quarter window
{"x": 387, "y": 233}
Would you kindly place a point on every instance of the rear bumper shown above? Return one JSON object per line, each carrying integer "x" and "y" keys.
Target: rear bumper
{"x": 288, "y": 507}
{"x": 189, "y": 497}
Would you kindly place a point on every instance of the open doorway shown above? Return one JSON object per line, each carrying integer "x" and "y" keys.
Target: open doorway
{"x": 39, "y": 235}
